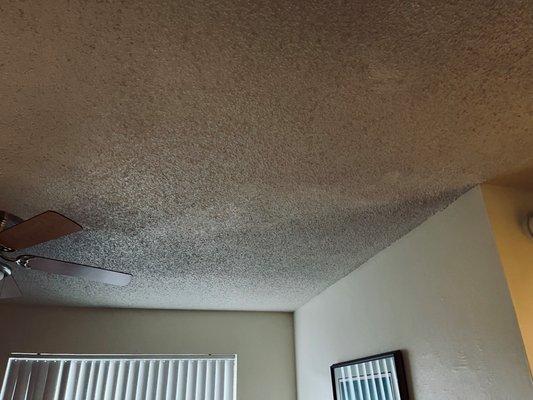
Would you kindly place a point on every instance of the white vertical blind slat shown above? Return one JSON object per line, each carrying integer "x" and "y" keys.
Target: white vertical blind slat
{"x": 219, "y": 375}
{"x": 10, "y": 381}
{"x": 182, "y": 380}
{"x": 351, "y": 389}
{"x": 365, "y": 381}
{"x": 82, "y": 378}
{"x": 388, "y": 387}
{"x": 6, "y": 384}
{"x": 377, "y": 366}
{"x": 359, "y": 387}
{"x": 91, "y": 380}
{"x": 392, "y": 368}
{"x": 110, "y": 380}
{"x": 141, "y": 381}
{"x": 23, "y": 379}
{"x": 200, "y": 380}
{"x": 210, "y": 379}
{"x": 52, "y": 380}
{"x": 122, "y": 376}
{"x": 191, "y": 380}
{"x": 34, "y": 376}
{"x": 343, "y": 387}
{"x": 131, "y": 382}
{"x": 228, "y": 380}
{"x": 40, "y": 380}
{"x": 171, "y": 381}
{"x": 157, "y": 369}
{"x": 161, "y": 380}
{"x": 374, "y": 388}
{"x": 151, "y": 385}
{"x": 71, "y": 380}
{"x": 81, "y": 385}
{"x": 99, "y": 387}
{"x": 62, "y": 383}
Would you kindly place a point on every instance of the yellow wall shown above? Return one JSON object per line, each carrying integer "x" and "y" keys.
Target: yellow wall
{"x": 507, "y": 208}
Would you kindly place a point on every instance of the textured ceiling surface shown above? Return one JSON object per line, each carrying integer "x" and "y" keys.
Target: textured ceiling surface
{"x": 247, "y": 154}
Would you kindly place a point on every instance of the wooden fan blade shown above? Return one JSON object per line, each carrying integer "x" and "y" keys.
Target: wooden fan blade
{"x": 72, "y": 269}
{"x": 9, "y": 288}
{"x": 47, "y": 226}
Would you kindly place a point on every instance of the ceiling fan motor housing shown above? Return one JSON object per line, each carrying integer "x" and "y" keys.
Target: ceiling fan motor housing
{"x": 4, "y": 270}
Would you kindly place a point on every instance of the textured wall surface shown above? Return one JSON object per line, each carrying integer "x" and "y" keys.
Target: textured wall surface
{"x": 440, "y": 295}
{"x": 247, "y": 154}
{"x": 263, "y": 342}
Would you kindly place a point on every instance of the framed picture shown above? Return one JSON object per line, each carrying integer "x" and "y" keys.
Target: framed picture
{"x": 379, "y": 377}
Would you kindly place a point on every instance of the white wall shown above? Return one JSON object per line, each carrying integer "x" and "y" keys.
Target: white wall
{"x": 262, "y": 341}
{"x": 439, "y": 294}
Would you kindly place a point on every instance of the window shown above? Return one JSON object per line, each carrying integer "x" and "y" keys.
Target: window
{"x": 73, "y": 377}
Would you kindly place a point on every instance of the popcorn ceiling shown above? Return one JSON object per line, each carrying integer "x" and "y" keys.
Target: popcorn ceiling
{"x": 247, "y": 155}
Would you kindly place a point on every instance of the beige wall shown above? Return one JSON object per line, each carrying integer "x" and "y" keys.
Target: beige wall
{"x": 440, "y": 295}
{"x": 262, "y": 341}
{"x": 507, "y": 208}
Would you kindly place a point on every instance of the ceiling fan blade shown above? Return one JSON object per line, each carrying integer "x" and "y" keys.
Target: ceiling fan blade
{"x": 9, "y": 288}
{"x": 72, "y": 269}
{"x": 47, "y": 226}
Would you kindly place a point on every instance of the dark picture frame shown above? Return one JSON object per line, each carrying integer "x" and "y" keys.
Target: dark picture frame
{"x": 390, "y": 359}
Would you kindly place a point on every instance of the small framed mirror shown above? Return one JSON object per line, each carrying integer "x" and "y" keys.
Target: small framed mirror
{"x": 378, "y": 377}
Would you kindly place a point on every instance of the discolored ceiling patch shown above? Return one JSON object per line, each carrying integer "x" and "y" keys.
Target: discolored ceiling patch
{"x": 244, "y": 154}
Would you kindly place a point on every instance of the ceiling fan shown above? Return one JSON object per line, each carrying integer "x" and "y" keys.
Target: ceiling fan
{"x": 17, "y": 234}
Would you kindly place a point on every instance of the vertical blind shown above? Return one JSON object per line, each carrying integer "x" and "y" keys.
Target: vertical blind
{"x": 66, "y": 377}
